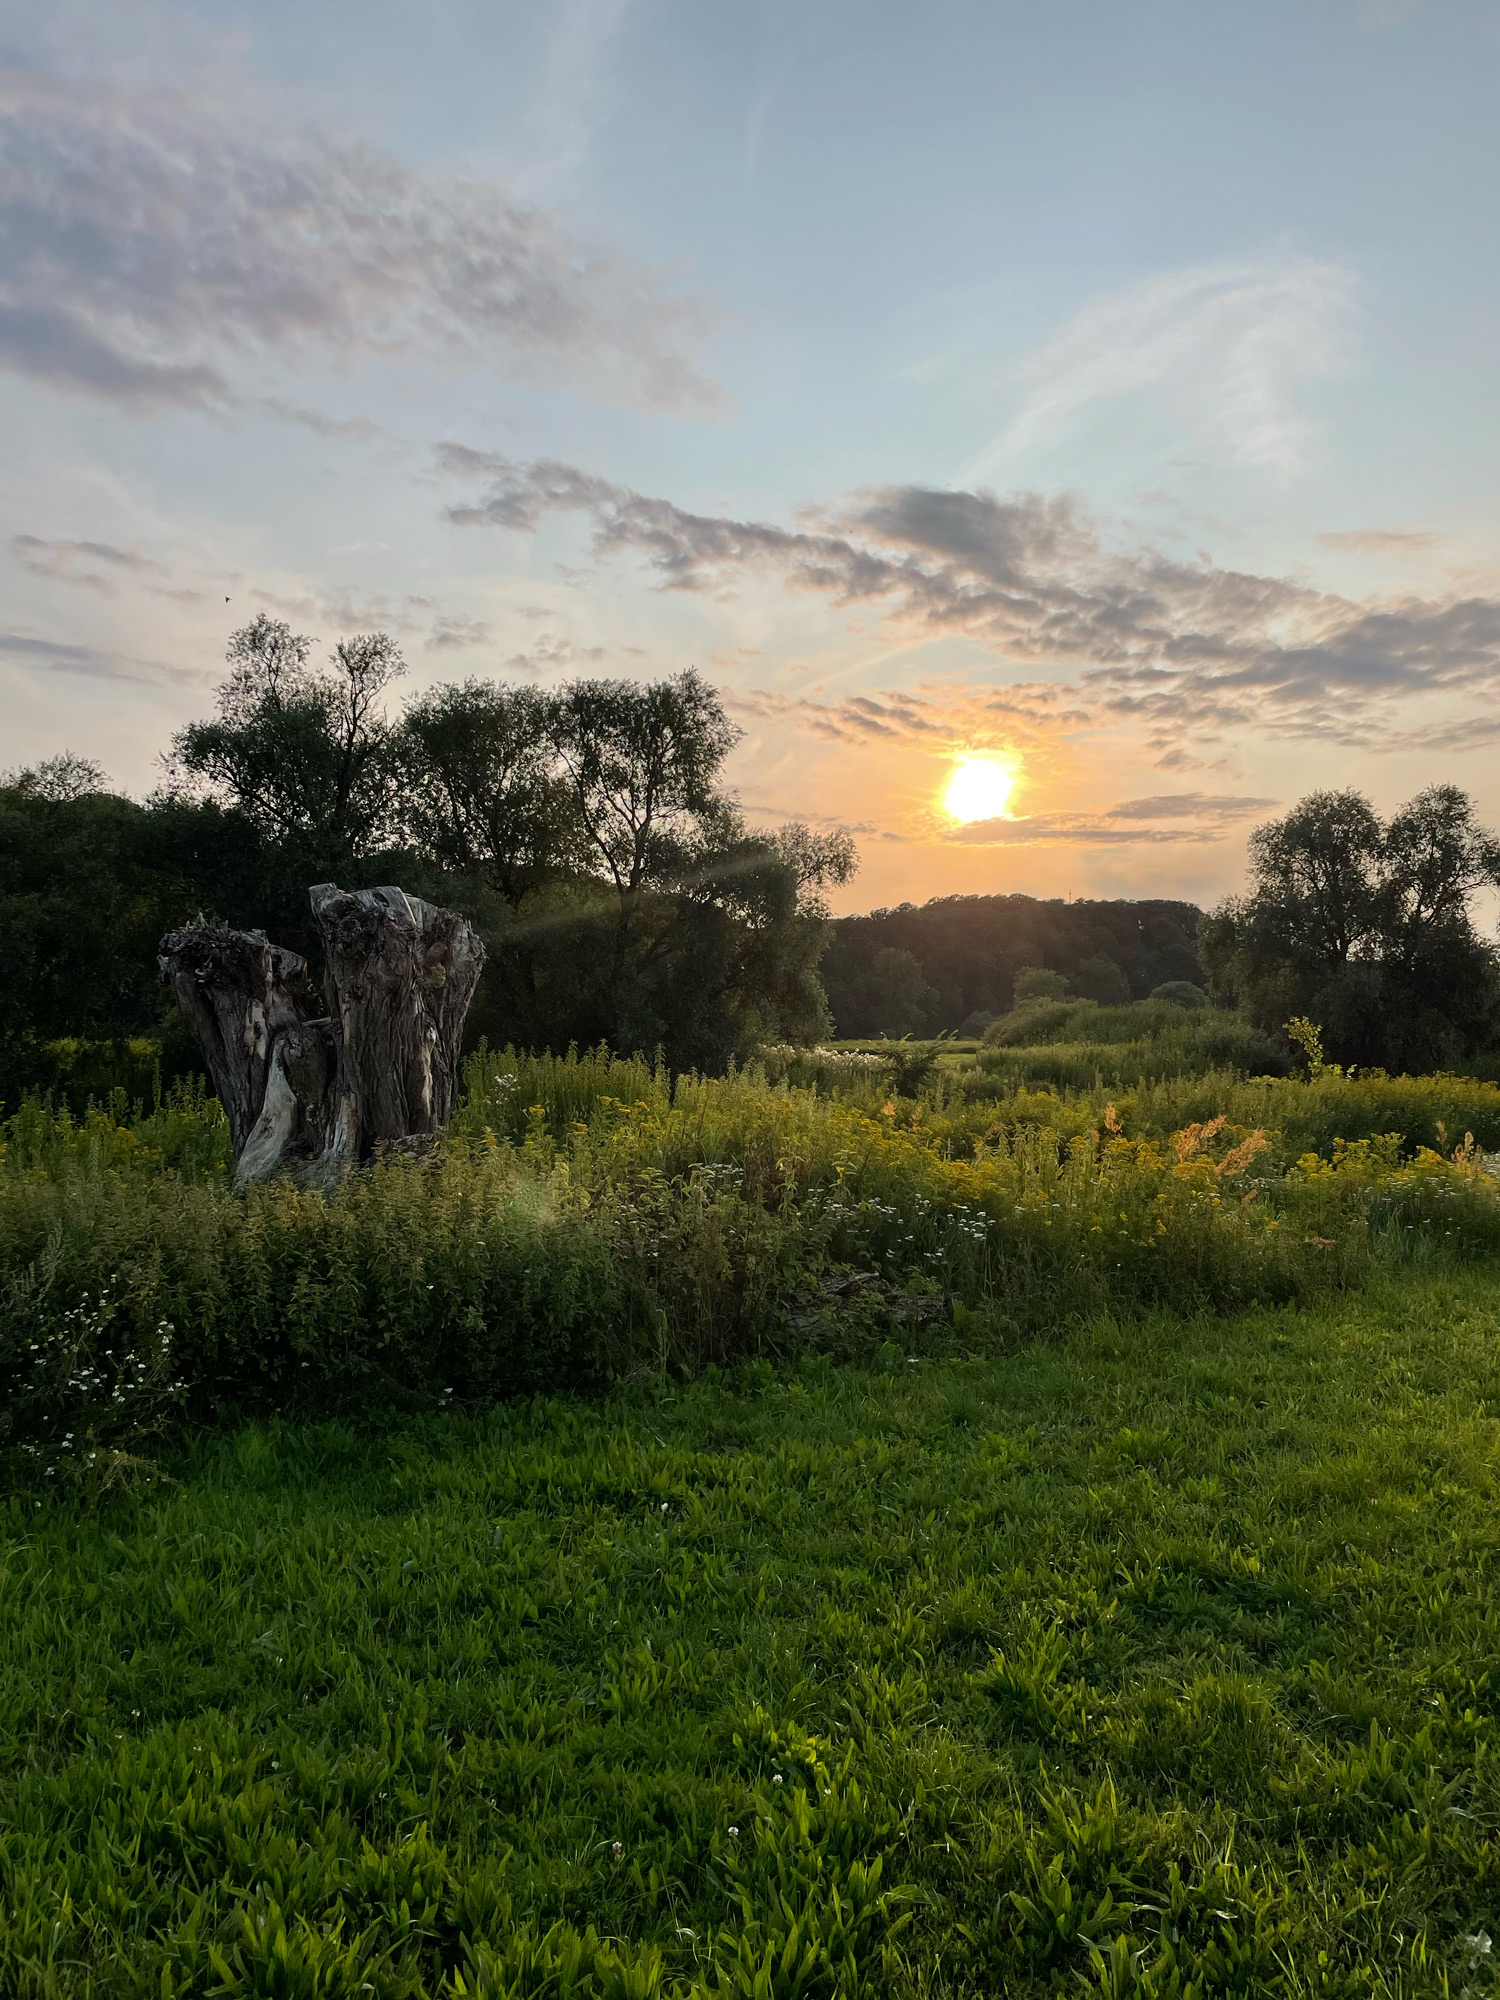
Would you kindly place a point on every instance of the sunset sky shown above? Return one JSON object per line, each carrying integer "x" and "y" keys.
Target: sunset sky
{"x": 1093, "y": 400}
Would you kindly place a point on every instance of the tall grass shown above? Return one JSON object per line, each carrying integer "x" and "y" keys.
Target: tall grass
{"x": 591, "y": 1217}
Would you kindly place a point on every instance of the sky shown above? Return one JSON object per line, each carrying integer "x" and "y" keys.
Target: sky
{"x": 1093, "y": 399}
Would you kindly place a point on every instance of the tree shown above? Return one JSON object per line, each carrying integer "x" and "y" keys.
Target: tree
{"x": 83, "y": 898}
{"x": 587, "y": 835}
{"x": 1366, "y": 928}
{"x": 664, "y": 841}
{"x": 1180, "y": 993}
{"x": 618, "y": 891}
{"x": 899, "y": 1001}
{"x": 816, "y": 860}
{"x": 972, "y": 948}
{"x": 1099, "y": 978}
{"x": 1317, "y": 874}
{"x": 57, "y": 779}
{"x": 1436, "y": 856}
{"x": 1034, "y": 982}
{"x": 482, "y": 791}
{"x": 644, "y": 766}
{"x": 306, "y": 757}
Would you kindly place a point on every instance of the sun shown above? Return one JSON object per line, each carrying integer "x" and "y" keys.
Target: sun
{"x": 979, "y": 788}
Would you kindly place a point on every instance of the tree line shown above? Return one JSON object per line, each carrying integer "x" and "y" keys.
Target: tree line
{"x": 587, "y": 831}
{"x": 590, "y": 836}
{"x": 951, "y": 963}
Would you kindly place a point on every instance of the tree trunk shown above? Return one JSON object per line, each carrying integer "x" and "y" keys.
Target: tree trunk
{"x": 312, "y": 1092}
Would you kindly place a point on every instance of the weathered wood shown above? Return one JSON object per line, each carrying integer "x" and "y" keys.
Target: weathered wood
{"x": 238, "y": 993}
{"x": 316, "y": 1093}
{"x": 400, "y": 976}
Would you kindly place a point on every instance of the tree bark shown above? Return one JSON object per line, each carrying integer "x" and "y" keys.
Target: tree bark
{"x": 239, "y": 994}
{"x": 310, "y": 1092}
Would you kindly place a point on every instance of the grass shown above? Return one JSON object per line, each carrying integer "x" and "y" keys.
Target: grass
{"x": 1159, "y": 1661}
{"x": 591, "y": 1219}
{"x": 1118, "y": 1616}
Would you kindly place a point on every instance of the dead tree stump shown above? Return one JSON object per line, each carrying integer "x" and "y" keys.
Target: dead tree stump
{"x": 316, "y": 1089}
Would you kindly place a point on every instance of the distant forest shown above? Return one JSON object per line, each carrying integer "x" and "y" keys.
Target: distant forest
{"x": 947, "y": 964}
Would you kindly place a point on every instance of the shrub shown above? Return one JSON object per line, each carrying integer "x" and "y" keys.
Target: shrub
{"x": 590, "y": 1216}
{"x": 1034, "y": 982}
{"x": 1035, "y": 1021}
{"x": 1181, "y": 993}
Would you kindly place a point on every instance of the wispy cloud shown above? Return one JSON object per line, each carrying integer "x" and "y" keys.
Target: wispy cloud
{"x": 449, "y": 634}
{"x": 553, "y": 655}
{"x": 1083, "y": 829}
{"x": 150, "y": 250}
{"x": 554, "y": 139}
{"x": 1226, "y": 346}
{"x": 96, "y": 566}
{"x": 1189, "y": 805}
{"x": 1170, "y": 647}
{"x": 95, "y": 663}
{"x": 942, "y": 718}
{"x": 1378, "y": 541}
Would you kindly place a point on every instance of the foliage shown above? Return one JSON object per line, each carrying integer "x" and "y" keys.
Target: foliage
{"x": 586, "y": 832}
{"x": 1365, "y": 927}
{"x": 1034, "y": 982}
{"x": 1181, "y": 993}
{"x": 80, "y": 918}
{"x": 592, "y": 1216}
{"x": 305, "y": 757}
{"x": 1160, "y": 1662}
{"x": 1076, "y": 1043}
{"x": 970, "y": 950}
{"x": 896, "y": 999}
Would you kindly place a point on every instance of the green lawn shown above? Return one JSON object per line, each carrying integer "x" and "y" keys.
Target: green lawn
{"x": 1163, "y": 1659}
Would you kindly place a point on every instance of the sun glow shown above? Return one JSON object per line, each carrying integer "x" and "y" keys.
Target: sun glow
{"x": 979, "y": 788}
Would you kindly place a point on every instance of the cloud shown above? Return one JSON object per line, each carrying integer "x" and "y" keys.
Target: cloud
{"x": 549, "y": 655}
{"x": 1377, "y": 541}
{"x": 60, "y": 657}
{"x": 78, "y": 562}
{"x": 1189, "y": 805}
{"x": 317, "y": 422}
{"x": 451, "y": 633}
{"x": 554, "y": 139}
{"x": 150, "y": 247}
{"x": 1165, "y": 645}
{"x": 1077, "y": 828}
{"x": 1225, "y": 345}
{"x": 940, "y": 717}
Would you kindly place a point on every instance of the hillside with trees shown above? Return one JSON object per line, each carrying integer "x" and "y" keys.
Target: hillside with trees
{"x": 952, "y": 962}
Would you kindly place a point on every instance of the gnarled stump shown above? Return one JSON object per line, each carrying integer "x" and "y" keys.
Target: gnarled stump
{"x": 318, "y": 1092}
{"x": 239, "y": 994}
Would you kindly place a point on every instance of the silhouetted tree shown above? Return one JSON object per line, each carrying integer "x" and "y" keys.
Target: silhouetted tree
{"x": 305, "y": 756}
{"x": 1367, "y": 928}
{"x": 588, "y": 834}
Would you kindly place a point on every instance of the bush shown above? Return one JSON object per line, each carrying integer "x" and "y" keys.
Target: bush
{"x": 1181, "y": 993}
{"x": 1034, "y": 982}
{"x": 1192, "y": 1046}
{"x": 590, "y": 1216}
{"x": 1034, "y": 1021}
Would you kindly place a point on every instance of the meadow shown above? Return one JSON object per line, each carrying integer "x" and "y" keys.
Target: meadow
{"x": 861, "y": 1525}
